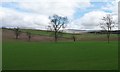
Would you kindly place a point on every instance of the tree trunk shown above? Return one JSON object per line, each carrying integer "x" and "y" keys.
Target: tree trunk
{"x": 55, "y": 36}
{"x": 16, "y": 36}
{"x": 108, "y": 36}
{"x": 74, "y": 39}
{"x": 29, "y": 38}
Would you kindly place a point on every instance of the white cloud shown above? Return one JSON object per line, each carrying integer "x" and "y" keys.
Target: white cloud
{"x": 41, "y": 9}
{"x": 43, "y": 0}
{"x": 113, "y": 6}
{"x": 50, "y": 7}
{"x": 55, "y": 0}
{"x": 39, "y": 12}
{"x": 103, "y": 0}
{"x": 11, "y": 18}
{"x": 91, "y": 21}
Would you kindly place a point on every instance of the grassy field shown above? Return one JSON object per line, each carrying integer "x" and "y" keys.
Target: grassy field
{"x": 85, "y": 55}
{"x": 89, "y": 52}
{"x": 49, "y": 33}
{"x": 79, "y": 37}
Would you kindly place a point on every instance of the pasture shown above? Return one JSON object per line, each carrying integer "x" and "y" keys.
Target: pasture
{"x": 19, "y": 55}
{"x": 62, "y": 55}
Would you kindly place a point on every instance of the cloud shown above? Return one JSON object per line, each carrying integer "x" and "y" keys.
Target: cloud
{"x": 56, "y": 0}
{"x": 38, "y": 14}
{"x": 12, "y": 18}
{"x": 91, "y": 21}
{"x": 40, "y": 10}
{"x": 112, "y": 6}
{"x": 50, "y": 7}
{"x": 44, "y": 0}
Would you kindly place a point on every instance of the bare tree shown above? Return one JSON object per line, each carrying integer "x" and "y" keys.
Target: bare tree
{"x": 17, "y": 32}
{"x": 107, "y": 24}
{"x": 29, "y": 36}
{"x": 74, "y": 38}
{"x": 57, "y": 23}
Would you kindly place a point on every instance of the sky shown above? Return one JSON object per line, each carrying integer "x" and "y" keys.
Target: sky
{"x": 34, "y": 14}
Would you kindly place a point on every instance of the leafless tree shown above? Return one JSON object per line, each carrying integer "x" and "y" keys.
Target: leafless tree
{"x": 17, "y": 32}
{"x": 74, "y": 38}
{"x": 107, "y": 24}
{"x": 29, "y": 36}
{"x": 56, "y": 24}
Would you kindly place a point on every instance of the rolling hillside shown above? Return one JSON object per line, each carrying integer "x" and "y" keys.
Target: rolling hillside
{"x": 41, "y": 35}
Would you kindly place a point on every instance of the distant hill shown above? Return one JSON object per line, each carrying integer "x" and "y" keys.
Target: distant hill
{"x": 75, "y": 31}
{"x": 90, "y": 31}
{"x": 103, "y": 32}
{"x": 71, "y": 31}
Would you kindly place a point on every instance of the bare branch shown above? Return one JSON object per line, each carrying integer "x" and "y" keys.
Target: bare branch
{"x": 57, "y": 22}
{"x": 107, "y": 24}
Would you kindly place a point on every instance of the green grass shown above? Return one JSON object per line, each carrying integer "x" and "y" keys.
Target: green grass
{"x": 68, "y": 35}
{"x": 37, "y": 32}
{"x": 86, "y": 55}
{"x": 45, "y": 33}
